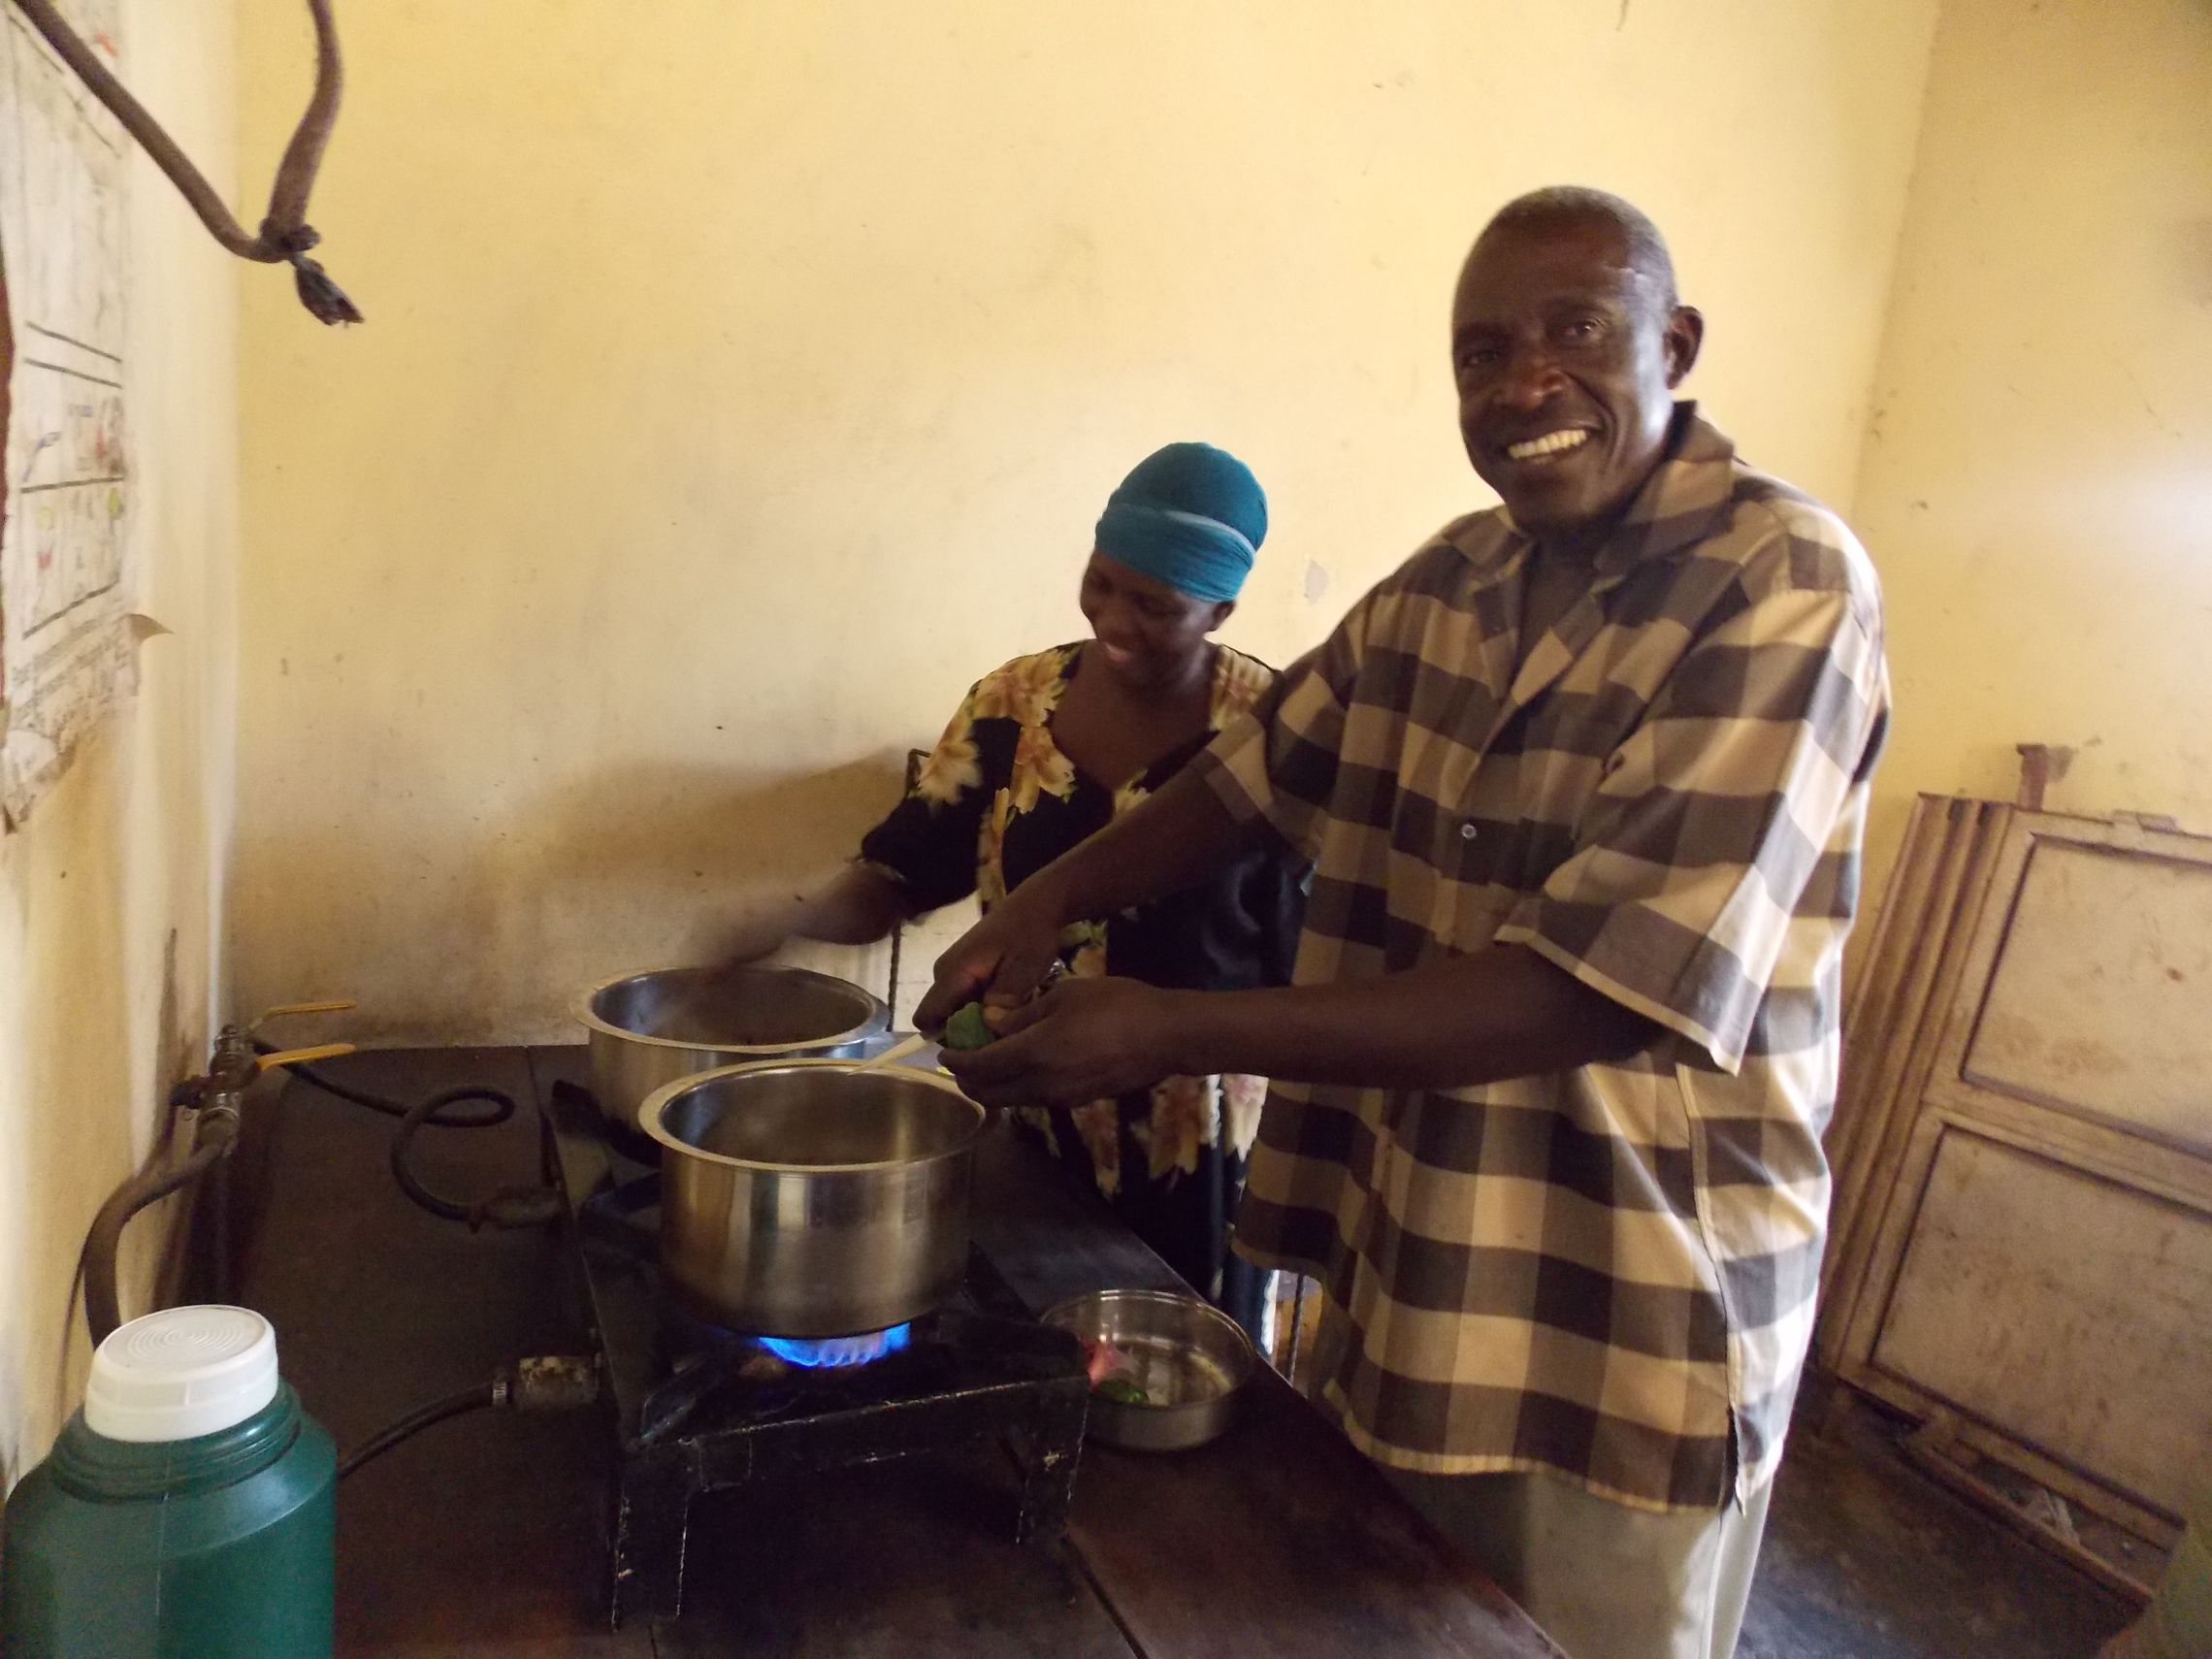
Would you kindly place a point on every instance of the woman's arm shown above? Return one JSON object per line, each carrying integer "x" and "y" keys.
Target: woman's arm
{"x": 859, "y": 907}
{"x": 920, "y": 857}
{"x": 1166, "y": 844}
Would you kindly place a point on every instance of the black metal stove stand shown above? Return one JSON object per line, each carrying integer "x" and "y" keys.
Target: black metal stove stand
{"x": 696, "y": 1410}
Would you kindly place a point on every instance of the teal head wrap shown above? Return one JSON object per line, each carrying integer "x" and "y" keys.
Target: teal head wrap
{"x": 1189, "y": 515}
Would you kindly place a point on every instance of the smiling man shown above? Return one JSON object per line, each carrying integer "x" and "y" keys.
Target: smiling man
{"x": 1583, "y": 785}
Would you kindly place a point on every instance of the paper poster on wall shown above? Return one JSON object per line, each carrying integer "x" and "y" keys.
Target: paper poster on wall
{"x": 65, "y": 578}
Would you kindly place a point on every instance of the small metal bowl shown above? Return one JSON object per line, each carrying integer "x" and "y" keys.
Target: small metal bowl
{"x": 1191, "y": 1359}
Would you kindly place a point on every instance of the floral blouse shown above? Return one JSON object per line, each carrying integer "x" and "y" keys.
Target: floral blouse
{"x": 996, "y": 802}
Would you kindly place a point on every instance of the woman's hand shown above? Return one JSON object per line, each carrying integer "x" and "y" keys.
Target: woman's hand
{"x": 1001, "y": 960}
{"x": 1084, "y": 1040}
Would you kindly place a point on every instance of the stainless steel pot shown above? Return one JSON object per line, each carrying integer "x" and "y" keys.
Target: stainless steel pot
{"x": 648, "y": 1029}
{"x": 1189, "y": 1360}
{"x": 812, "y": 1198}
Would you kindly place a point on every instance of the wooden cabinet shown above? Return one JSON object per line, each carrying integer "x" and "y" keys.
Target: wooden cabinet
{"x": 2023, "y": 1152}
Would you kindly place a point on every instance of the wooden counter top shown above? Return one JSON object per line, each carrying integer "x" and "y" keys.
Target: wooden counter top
{"x": 481, "y": 1537}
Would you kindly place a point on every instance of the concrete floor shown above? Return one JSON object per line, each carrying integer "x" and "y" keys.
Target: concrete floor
{"x": 1867, "y": 1558}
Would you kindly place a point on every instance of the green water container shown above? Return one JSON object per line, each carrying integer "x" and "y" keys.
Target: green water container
{"x": 186, "y": 1513}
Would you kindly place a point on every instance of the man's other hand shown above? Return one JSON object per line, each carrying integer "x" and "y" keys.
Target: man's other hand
{"x": 1084, "y": 1040}
{"x": 1001, "y": 960}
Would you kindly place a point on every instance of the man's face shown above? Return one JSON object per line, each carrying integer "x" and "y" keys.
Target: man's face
{"x": 1567, "y": 359}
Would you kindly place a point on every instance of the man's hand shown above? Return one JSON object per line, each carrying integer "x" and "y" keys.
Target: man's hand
{"x": 1084, "y": 1040}
{"x": 1001, "y": 960}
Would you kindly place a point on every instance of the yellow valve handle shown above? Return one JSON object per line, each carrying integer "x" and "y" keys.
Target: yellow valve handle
{"x": 290, "y": 1008}
{"x": 301, "y": 1057}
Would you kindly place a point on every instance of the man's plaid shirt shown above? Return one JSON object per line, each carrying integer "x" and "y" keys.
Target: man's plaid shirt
{"x": 1608, "y": 1272}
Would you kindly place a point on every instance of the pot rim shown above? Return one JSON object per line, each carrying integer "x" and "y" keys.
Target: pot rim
{"x": 656, "y": 1103}
{"x": 581, "y": 1006}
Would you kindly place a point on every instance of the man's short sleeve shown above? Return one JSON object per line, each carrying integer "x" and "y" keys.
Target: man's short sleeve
{"x": 1715, "y": 815}
{"x": 1276, "y": 765}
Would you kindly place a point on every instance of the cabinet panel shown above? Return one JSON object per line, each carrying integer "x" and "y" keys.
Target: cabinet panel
{"x": 2100, "y": 1000}
{"x": 2071, "y": 1313}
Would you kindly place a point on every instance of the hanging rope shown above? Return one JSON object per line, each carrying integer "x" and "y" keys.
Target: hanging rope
{"x": 285, "y": 234}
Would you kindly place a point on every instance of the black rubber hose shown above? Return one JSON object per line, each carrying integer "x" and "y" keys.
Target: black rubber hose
{"x": 218, "y": 1226}
{"x": 103, "y": 1311}
{"x": 481, "y": 1397}
{"x": 501, "y": 1104}
{"x": 508, "y": 1207}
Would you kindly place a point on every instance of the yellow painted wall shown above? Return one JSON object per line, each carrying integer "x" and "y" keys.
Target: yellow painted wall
{"x": 741, "y": 382}
{"x": 2038, "y": 480}
{"x": 108, "y": 960}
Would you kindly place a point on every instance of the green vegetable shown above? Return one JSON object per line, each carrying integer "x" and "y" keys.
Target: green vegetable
{"x": 969, "y": 1029}
{"x": 1121, "y": 1389}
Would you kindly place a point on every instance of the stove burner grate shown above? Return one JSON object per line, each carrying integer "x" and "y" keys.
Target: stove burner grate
{"x": 700, "y": 1409}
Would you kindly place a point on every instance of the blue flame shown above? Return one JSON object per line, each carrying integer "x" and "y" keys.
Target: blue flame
{"x": 825, "y": 1351}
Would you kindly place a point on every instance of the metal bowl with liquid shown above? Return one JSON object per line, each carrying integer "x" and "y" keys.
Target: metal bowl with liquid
{"x": 648, "y": 1029}
{"x": 1189, "y": 1360}
{"x": 813, "y": 1199}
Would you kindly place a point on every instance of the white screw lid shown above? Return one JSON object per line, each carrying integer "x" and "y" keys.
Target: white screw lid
{"x": 181, "y": 1373}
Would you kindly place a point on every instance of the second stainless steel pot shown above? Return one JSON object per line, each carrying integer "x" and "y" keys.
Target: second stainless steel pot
{"x": 812, "y": 1198}
{"x": 648, "y": 1029}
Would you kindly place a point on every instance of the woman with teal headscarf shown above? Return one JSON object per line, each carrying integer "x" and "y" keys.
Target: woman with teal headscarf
{"x": 1043, "y": 753}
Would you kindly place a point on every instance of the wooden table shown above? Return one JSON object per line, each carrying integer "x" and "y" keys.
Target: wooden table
{"x": 482, "y": 1537}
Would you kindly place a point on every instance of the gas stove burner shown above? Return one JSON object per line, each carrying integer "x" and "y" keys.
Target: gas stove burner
{"x": 831, "y": 1353}
{"x": 699, "y": 1408}
{"x": 685, "y": 1342}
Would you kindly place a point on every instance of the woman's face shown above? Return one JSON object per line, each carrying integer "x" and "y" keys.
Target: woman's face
{"x": 1150, "y": 636}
